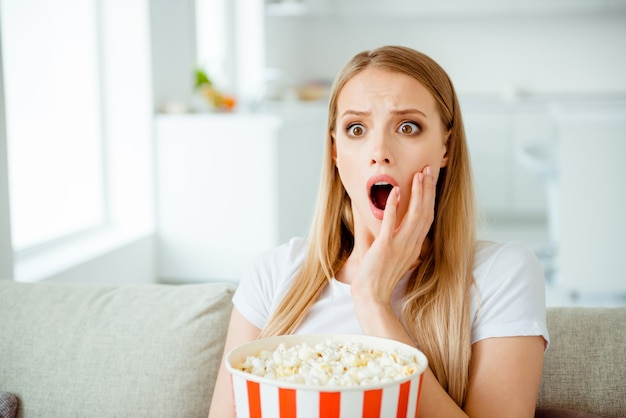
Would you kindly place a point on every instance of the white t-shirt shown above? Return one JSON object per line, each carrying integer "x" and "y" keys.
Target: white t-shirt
{"x": 508, "y": 299}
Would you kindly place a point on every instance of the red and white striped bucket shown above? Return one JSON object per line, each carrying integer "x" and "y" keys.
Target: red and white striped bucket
{"x": 258, "y": 397}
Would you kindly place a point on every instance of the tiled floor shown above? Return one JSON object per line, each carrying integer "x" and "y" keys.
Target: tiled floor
{"x": 535, "y": 236}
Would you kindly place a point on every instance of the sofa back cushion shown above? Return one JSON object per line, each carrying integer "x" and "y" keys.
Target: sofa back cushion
{"x": 75, "y": 350}
{"x": 585, "y": 367}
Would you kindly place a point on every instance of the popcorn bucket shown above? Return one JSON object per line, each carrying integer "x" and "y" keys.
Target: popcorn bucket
{"x": 261, "y": 397}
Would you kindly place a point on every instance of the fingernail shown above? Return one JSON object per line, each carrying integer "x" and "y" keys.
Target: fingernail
{"x": 429, "y": 170}
{"x": 420, "y": 177}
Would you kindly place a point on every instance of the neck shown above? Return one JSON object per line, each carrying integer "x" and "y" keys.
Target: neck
{"x": 362, "y": 242}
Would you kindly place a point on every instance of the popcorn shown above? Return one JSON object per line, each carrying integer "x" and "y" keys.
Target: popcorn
{"x": 330, "y": 364}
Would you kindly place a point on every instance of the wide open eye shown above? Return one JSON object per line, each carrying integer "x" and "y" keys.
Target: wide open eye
{"x": 356, "y": 130}
{"x": 409, "y": 128}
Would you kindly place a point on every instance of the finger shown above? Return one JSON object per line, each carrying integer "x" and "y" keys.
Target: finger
{"x": 428, "y": 188}
{"x": 388, "y": 224}
{"x": 415, "y": 203}
{"x": 421, "y": 208}
{"x": 428, "y": 194}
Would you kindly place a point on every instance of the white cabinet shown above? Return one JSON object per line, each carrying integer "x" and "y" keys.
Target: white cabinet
{"x": 489, "y": 141}
{"x": 533, "y": 166}
{"x": 498, "y": 133}
{"x": 591, "y": 198}
{"x": 230, "y": 186}
{"x": 217, "y": 194}
{"x": 299, "y": 7}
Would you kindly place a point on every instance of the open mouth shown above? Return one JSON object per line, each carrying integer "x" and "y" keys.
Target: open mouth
{"x": 379, "y": 194}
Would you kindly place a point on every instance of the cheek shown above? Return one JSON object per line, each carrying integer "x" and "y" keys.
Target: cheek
{"x": 343, "y": 166}
{"x": 348, "y": 172}
{"x": 344, "y": 159}
{"x": 431, "y": 156}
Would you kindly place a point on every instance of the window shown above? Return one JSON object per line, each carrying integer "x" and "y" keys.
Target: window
{"x": 78, "y": 109}
{"x": 53, "y": 118}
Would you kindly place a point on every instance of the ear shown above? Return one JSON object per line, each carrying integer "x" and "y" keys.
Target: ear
{"x": 444, "y": 158}
{"x": 332, "y": 139}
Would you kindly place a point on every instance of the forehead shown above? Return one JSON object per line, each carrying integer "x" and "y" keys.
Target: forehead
{"x": 392, "y": 88}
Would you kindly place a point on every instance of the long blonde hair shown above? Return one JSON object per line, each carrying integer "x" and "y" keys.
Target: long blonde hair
{"x": 436, "y": 308}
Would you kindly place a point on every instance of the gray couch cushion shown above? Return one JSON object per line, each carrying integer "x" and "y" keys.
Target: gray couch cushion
{"x": 112, "y": 351}
{"x": 562, "y": 413}
{"x": 585, "y": 368}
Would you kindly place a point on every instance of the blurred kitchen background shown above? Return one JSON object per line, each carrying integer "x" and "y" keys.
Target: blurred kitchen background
{"x": 174, "y": 140}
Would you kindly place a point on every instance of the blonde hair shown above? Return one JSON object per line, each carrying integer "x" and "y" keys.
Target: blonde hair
{"x": 436, "y": 308}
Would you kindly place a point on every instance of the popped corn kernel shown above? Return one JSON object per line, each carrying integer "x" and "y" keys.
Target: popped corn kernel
{"x": 330, "y": 364}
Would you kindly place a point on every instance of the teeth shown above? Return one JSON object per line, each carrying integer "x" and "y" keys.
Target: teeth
{"x": 382, "y": 183}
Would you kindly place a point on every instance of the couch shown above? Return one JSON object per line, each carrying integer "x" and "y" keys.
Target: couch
{"x": 153, "y": 350}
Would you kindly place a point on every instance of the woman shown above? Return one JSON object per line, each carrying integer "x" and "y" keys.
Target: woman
{"x": 392, "y": 249}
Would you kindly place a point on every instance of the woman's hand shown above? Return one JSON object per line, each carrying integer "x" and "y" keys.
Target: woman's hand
{"x": 397, "y": 248}
{"x": 390, "y": 256}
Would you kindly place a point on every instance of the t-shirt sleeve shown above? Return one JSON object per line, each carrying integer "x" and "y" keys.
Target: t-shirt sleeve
{"x": 510, "y": 295}
{"x": 254, "y": 294}
{"x": 266, "y": 280}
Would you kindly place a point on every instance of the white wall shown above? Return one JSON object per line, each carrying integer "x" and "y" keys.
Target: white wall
{"x": 172, "y": 31}
{"x": 575, "y": 54}
{"x": 6, "y": 249}
{"x": 129, "y": 263}
{"x": 495, "y": 54}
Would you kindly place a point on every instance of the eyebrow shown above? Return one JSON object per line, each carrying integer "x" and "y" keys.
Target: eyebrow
{"x": 395, "y": 112}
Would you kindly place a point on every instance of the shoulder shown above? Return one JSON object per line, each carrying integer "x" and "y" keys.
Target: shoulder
{"x": 505, "y": 259}
{"x": 267, "y": 278}
{"x": 285, "y": 258}
{"x": 506, "y": 270}
{"x": 513, "y": 250}
{"x": 509, "y": 297}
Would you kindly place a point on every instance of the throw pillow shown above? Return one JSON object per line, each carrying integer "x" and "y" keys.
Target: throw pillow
{"x": 8, "y": 405}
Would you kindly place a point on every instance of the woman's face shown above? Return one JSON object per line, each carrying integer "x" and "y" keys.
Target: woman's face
{"x": 387, "y": 129}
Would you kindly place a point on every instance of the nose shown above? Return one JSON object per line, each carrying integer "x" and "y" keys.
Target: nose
{"x": 381, "y": 151}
